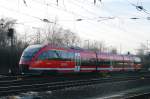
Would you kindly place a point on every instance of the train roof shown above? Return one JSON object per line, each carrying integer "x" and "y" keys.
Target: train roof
{"x": 72, "y": 48}
{"x": 37, "y": 46}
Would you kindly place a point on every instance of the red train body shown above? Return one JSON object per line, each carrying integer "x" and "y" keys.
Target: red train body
{"x": 40, "y": 58}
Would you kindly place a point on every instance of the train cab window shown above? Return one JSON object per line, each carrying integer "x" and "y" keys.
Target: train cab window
{"x": 43, "y": 56}
{"x": 30, "y": 51}
{"x": 52, "y": 55}
{"x": 47, "y": 55}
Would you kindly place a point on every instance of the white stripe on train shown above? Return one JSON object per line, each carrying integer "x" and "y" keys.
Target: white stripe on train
{"x": 110, "y": 69}
{"x": 51, "y": 68}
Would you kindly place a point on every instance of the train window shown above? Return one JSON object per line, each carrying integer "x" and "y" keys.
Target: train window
{"x": 52, "y": 55}
{"x": 118, "y": 64}
{"x": 65, "y": 55}
{"x": 43, "y": 56}
{"x": 48, "y": 55}
{"x": 105, "y": 63}
{"x": 137, "y": 60}
{"x": 29, "y": 53}
{"x": 71, "y": 55}
{"x": 31, "y": 50}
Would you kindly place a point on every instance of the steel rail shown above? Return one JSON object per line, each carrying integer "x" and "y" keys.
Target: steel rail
{"x": 12, "y": 89}
{"x": 43, "y": 80}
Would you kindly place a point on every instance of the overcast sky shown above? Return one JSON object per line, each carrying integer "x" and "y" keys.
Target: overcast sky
{"x": 120, "y": 29}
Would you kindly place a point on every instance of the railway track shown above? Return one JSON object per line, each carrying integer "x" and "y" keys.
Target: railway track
{"x": 15, "y": 86}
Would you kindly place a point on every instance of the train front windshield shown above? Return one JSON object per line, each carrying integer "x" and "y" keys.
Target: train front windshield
{"x": 30, "y": 51}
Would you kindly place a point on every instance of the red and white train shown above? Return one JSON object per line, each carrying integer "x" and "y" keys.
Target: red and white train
{"x": 51, "y": 58}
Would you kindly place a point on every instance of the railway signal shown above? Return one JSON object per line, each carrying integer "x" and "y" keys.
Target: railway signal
{"x": 10, "y": 35}
{"x": 10, "y": 32}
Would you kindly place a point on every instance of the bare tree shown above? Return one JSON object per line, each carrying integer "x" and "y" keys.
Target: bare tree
{"x": 94, "y": 45}
{"x": 5, "y": 24}
{"x": 58, "y": 35}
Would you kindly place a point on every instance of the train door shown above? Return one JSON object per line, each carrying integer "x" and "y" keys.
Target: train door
{"x": 77, "y": 62}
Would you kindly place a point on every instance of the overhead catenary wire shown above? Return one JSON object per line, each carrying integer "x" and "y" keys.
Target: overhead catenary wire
{"x": 81, "y": 17}
{"x": 95, "y": 1}
{"x": 61, "y": 8}
{"x": 88, "y": 11}
{"x": 25, "y": 14}
{"x": 139, "y": 6}
{"x": 98, "y": 17}
{"x": 78, "y": 19}
{"x": 25, "y": 3}
{"x": 73, "y": 13}
{"x": 109, "y": 18}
